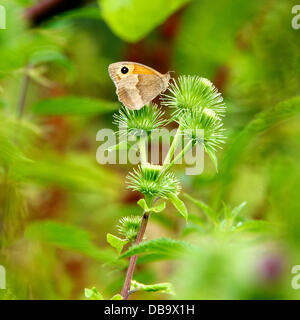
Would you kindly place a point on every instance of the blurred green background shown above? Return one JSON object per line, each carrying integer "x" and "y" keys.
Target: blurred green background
{"x": 57, "y": 203}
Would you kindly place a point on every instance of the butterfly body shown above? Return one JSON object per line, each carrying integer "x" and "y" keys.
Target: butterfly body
{"x": 136, "y": 83}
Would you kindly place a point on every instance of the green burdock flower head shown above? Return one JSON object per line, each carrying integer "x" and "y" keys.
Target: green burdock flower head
{"x": 129, "y": 227}
{"x": 148, "y": 180}
{"x": 193, "y": 93}
{"x": 204, "y": 128}
{"x": 139, "y": 122}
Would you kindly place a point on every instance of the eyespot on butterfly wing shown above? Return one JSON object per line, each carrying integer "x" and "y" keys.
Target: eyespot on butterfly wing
{"x": 137, "y": 84}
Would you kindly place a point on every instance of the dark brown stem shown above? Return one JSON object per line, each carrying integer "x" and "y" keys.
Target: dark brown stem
{"x": 46, "y": 9}
{"x": 40, "y": 8}
{"x": 24, "y": 90}
{"x": 132, "y": 262}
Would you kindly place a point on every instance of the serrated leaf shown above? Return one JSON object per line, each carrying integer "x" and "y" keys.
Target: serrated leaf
{"x": 165, "y": 287}
{"x": 117, "y": 297}
{"x": 116, "y": 13}
{"x": 93, "y": 294}
{"x": 153, "y": 257}
{"x": 168, "y": 247}
{"x": 116, "y": 242}
{"x": 74, "y": 105}
{"x": 179, "y": 205}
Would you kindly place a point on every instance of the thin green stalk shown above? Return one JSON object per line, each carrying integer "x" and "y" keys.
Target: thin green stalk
{"x": 24, "y": 90}
{"x": 173, "y": 147}
{"x": 181, "y": 154}
{"x": 142, "y": 147}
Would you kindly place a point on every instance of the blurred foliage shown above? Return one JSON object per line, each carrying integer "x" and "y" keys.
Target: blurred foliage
{"x": 146, "y": 16}
{"x": 57, "y": 204}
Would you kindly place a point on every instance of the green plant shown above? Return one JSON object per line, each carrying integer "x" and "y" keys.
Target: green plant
{"x": 197, "y": 107}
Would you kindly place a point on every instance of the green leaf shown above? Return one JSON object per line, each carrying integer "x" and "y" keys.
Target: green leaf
{"x": 257, "y": 226}
{"x": 93, "y": 294}
{"x": 158, "y": 208}
{"x": 237, "y": 210}
{"x": 146, "y": 258}
{"x": 123, "y": 145}
{"x": 69, "y": 16}
{"x": 116, "y": 242}
{"x": 75, "y": 173}
{"x": 142, "y": 203}
{"x": 262, "y": 122}
{"x": 164, "y": 287}
{"x": 117, "y": 297}
{"x": 219, "y": 38}
{"x": 168, "y": 247}
{"x": 66, "y": 237}
{"x": 179, "y": 205}
{"x": 46, "y": 56}
{"x": 227, "y": 211}
{"x": 74, "y": 105}
{"x": 132, "y": 20}
{"x": 10, "y": 153}
{"x": 205, "y": 208}
{"x": 212, "y": 154}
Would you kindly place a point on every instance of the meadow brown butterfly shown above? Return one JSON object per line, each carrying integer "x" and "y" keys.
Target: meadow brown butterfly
{"x": 136, "y": 83}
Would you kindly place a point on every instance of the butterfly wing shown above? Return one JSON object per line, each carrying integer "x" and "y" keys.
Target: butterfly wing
{"x": 136, "y": 90}
{"x": 128, "y": 94}
{"x": 139, "y": 85}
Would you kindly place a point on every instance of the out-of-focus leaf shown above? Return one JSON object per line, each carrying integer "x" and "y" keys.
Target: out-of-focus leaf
{"x": 68, "y": 17}
{"x": 237, "y": 210}
{"x": 93, "y": 294}
{"x": 117, "y": 297}
{"x": 14, "y": 210}
{"x": 165, "y": 287}
{"x": 132, "y": 20}
{"x": 168, "y": 247}
{"x": 10, "y": 152}
{"x": 116, "y": 242}
{"x": 66, "y": 237}
{"x": 262, "y": 122}
{"x": 46, "y": 56}
{"x": 75, "y": 173}
{"x": 206, "y": 209}
{"x": 179, "y": 205}
{"x": 255, "y": 226}
{"x": 216, "y": 26}
{"x": 72, "y": 105}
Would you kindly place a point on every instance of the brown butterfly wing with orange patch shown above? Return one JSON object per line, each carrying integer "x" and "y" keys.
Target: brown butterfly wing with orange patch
{"x": 138, "y": 85}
